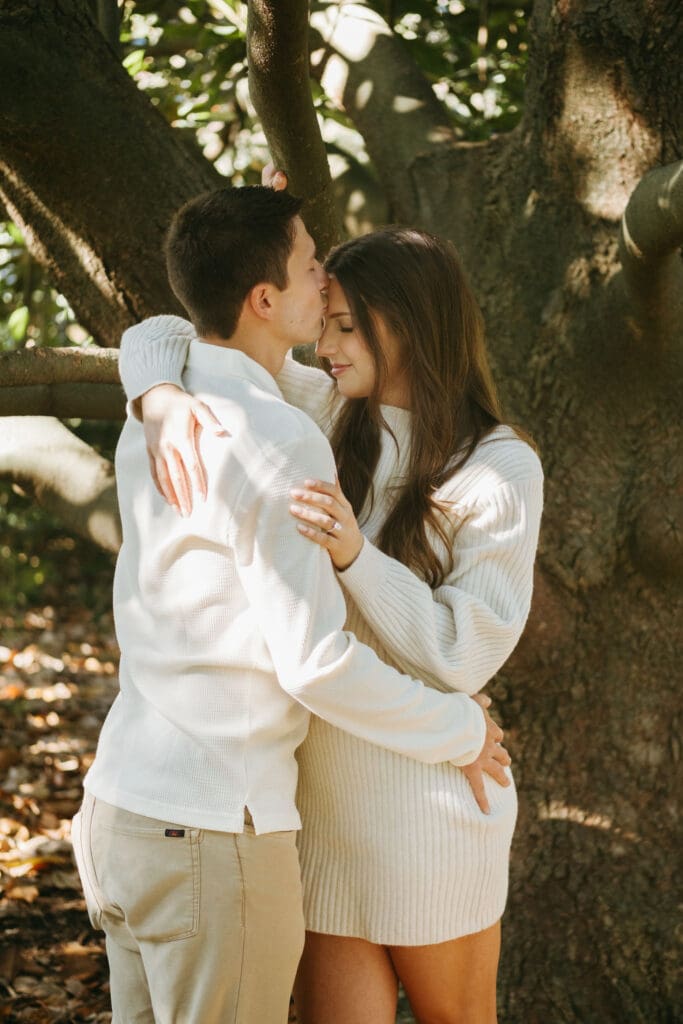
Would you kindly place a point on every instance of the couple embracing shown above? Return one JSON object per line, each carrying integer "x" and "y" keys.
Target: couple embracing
{"x": 303, "y": 646}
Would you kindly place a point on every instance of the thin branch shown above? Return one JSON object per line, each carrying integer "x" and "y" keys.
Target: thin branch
{"x": 277, "y": 45}
{"x": 650, "y": 243}
{"x": 67, "y": 476}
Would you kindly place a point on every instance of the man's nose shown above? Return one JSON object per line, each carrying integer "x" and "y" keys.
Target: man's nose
{"x": 324, "y": 279}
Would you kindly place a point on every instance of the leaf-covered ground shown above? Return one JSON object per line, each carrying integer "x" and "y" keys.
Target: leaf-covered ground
{"x": 58, "y": 675}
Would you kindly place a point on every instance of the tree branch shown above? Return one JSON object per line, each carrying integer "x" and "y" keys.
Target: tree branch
{"x": 56, "y": 365}
{"x": 65, "y": 401}
{"x": 67, "y": 476}
{"x": 62, "y": 382}
{"x": 368, "y": 71}
{"x": 279, "y": 84}
{"x": 650, "y": 243}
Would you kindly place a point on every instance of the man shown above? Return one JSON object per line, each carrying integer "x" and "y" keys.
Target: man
{"x": 231, "y": 630}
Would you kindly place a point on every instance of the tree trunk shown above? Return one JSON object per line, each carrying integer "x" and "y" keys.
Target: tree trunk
{"x": 590, "y": 698}
{"x": 89, "y": 170}
{"x": 588, "y": 358}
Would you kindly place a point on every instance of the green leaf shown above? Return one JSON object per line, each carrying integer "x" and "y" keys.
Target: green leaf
{"x": 18, "y": 322}
{"x": 134, "y": 62}
{"x": 15, "y": 233}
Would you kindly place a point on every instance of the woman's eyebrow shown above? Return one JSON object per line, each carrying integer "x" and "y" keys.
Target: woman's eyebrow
{"x": 342, "y": 312}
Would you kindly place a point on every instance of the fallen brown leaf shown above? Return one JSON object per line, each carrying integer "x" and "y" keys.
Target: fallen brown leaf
{"x": 26, "y": 893}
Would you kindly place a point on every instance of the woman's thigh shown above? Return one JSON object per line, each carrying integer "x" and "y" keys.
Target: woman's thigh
{"x": 451, "y": 982}
{"x": 345, "y": 981}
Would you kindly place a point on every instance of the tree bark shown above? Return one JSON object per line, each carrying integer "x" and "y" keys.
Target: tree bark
{"x": 65, "y": 401}
{"x": 59, "y": 365}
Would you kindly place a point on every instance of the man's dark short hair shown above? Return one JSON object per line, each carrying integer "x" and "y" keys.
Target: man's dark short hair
{"x": 221, "y": 244}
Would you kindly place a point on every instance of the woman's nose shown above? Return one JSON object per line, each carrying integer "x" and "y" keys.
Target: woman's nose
{"x": 323, "y": 348}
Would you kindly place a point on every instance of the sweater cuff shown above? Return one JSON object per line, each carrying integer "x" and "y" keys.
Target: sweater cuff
{"x": 154, "y": 352}
{"x": 476, "y": 733}
{"x": 364, "y": 577}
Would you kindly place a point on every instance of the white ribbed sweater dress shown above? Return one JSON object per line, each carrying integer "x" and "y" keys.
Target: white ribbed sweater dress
{"x": 392, "y": 850}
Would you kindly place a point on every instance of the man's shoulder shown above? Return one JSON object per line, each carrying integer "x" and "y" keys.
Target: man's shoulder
{"x": 289, "y": 438}
{"x": 268, "y": 431}
{"x": 244, "y": 408}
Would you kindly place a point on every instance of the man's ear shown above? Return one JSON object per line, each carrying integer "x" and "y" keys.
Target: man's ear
{"x": 260, "y": 300}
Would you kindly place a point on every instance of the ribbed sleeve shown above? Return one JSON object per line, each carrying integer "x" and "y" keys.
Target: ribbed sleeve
{"x": 460, "y": 634}
{"x": 154, "y": 352}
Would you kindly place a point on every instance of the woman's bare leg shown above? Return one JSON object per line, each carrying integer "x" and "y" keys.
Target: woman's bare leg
{"x": 345, "y": 981}
{"x": 451, "y": 982}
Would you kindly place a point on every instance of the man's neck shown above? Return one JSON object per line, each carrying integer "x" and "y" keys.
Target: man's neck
{"x": 259, "y": 347}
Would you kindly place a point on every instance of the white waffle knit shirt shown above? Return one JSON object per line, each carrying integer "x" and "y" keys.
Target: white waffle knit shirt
{"x": 393, "y": 850}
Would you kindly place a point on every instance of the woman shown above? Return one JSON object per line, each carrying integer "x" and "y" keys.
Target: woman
{"x": 432, "y": 527}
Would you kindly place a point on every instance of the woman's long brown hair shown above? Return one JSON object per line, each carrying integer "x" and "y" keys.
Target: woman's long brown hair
{"x": 414, "y": 282}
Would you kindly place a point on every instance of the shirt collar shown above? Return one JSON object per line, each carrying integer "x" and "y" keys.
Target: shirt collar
{"x": 220, "y": 361}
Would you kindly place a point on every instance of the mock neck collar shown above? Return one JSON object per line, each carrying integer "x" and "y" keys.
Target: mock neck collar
{"x": 221, "y": 361}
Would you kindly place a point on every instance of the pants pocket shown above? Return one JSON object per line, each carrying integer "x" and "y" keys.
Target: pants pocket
{"x": 150, "y": 876}
{"x": 80, "y": 830}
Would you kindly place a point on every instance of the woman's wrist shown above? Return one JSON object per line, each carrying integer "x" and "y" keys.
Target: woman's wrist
{"x": 153, "y": 402}
{"x": 348, "y": 564}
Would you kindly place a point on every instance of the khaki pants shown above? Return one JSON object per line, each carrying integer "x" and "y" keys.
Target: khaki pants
{"x": 201, "y": 927}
